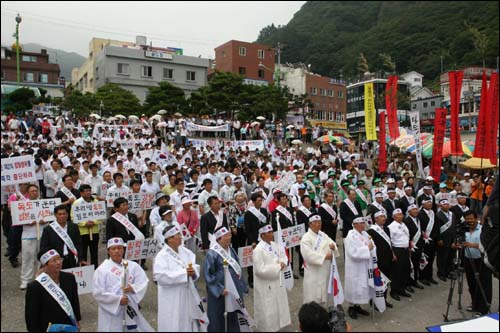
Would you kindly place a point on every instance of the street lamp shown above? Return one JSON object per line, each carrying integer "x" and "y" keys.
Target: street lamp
{"x": 101, "y": 106}
{"x": 18, "y": 20}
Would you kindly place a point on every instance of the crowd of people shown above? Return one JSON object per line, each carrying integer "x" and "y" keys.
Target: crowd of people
{"x": 225, "y": 199}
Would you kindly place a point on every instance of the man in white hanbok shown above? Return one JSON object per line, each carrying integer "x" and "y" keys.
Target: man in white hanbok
{"x": 358, "y": 245}
{"x": 316, "y": 248}
{"x": 271, "y": 308}
{"x": 175, "y": 271}
{"x": 118, "y": 305}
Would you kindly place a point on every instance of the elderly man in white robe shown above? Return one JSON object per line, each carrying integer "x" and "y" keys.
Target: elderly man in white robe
{"x": 175, "y": 271}
{"x": 119, "y": 304}
{"x": 271, "y": 308}
{"x": 318, "y": 250}
{"x": 358, "y": 245}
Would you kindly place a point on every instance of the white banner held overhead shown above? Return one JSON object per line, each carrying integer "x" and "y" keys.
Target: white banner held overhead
{"x": 415, "y": 127}
{"x": 25, "y": 212}
{"x": 84, "y": 276}
{"x": 201, "y": 128}
{"x": 17, "y": 170}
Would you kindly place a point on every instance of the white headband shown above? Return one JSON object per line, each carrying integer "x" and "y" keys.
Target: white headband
{"x": 397, "y": 211}
{"x": 172, "y": 232}
{"x": 314, "y": 218}
{"x": 115, "y": 242}
{"x": 359, "y": 220}
{"x": 266, "y": 228}
{"x": 380, "y": 213}
{"x": 48, "y": 255}
{"x": 410, "y": 207}
{"x": 444, "y": 202}
{"x": 221, "y": 232}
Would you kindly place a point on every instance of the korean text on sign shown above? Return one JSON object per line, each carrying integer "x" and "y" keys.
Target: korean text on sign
{"x": 90, "y": 211}
{"x": 17, "y": 170}
{"x": 25, "y": 212}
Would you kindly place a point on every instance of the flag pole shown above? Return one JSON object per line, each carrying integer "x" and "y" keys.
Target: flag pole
{"x": 225, "y": 296}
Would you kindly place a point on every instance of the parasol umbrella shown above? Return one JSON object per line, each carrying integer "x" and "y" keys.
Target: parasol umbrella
{"x": 447, "y": 149}
{"x": 329, "y": 139}
{"x": 134, "y": 118}
{"x": 120, "y": 116}
{"x": 260, "y": 118}
{"x": 88, "y": 123}
{"x": 110, "y": 119}
{"x": 290, "y": 126}
{"x": 162, "y": 124}
{"x": 178, "y": 114}
{"x": 95, "y": 115}
{"x": 155, "y": 117}
{"x": 255, "y": 123}
{"x": 296, "y": 142}
{"x": 162, "y": 112}
{"x": 478, "y": 163}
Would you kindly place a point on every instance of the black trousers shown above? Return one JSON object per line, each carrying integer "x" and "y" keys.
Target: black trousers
{"x": 400, "y": 270}
{"x": 444, "y": 260}
{"x": 92, "y": 246}
{"x": 415, "y": 260}
{"x": 14, "y": 242}
{"x": 430, "y": 251}
{"x": 485, "y": 277}
{"x": 6, "y": 221}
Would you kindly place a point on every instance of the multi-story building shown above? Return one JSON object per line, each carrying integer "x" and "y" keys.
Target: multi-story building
{"x": 138, "y": 67}
{"x": 356, "y": 104}
{"x": 35, "y": 71}
{"x": 255, "y": 62}
{"x": 327, "y": 97}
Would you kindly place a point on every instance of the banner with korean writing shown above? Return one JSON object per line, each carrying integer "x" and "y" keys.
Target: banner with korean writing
{"x": 455, "y": 82}
{"x": 7, "y": 191}
{"x": 391, "y": 102}
{"x": 201, "y": 128}
{"x": 142, "y": 249}
{"x": 112, "y": 195}
{"x": 292, "y": 235}
{"x": 25, "y": 212}
{"x": 252, "y": 145}
{"x": 492, "y": 118}
{"x": 415, "y": 127}
{"x": 140, "y": 201}
{"x": 437, "y": 149}
{"x": 89, "y": 211}
{"x": 84, "y": 276}
{"x": 245, "y": 256}
{"x": 17, "y": 170}
{"x": 370, "y": 113}
{"x": 382, "y": 156}
{"x": 286, "y": 181}
{"x": 480, "y": 150}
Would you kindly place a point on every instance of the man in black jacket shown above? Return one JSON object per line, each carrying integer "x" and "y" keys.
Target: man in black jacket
{"x": 64, "y": 237}
{"x": 328, "y": 213}
{"x": 446, "y": 248}
{"x": 416, "y": 243}
{"x": 430, "y": 235}
{"x": 67, "y": 193}
{"x": 390, "y": 204}
{"x": 304, "y": 212}
{"x": 212, "y": 220}
{"x": 349, "y": 210}
{"x": 116, "y": 223}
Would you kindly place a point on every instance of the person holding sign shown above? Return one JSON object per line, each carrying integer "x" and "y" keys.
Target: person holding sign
{"x": 67, "y": 193}
{"x": 64, "y": 237}
{"x": 123, "y": 224}
{"x": 271, "y": 308}
{"x": 316, "y": 248}
{"x": 175, "y": 271}
{"x": 52, "y": 297}
{"x": 118, "y": 288}
{"x": 89, "y": 230}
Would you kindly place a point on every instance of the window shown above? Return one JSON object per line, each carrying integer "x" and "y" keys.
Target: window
{"x": 223, "y": 53}
{"x": 29, "y": 77}
{"x": 425, "y": 104}
{"x": 313, "y": 91}
{"x": 260, "y": 54}
{"x": 29, "y": 58}
{"x": 3, "y": 75}
{"x": 341, "y": 94}
{"x": 322, "y": 92}
{"x": 414, "y": 106}
{"x": 168, "y": 73}
{"x": 242, "y": 70}
{"x": 262, "y": 73}
{"x": 147, "y": 71}
{"x": 416, "y": 79}
{"x": 425, "y": 115}
{"x": 190, "y": 76}
{"x": 122, "y": 69}
{"x": 330, "y": 116}
{"x": 242, "y": 51}
{"x": 43, "y": 78}
{"x": 433, "y": 103}
{"x": 330, "y": 92}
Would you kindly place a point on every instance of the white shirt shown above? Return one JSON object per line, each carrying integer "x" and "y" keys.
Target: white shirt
{"x": 400, "y": 235}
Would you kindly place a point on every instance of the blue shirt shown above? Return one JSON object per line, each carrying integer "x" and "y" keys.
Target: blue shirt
{"x": 473, "y": 237}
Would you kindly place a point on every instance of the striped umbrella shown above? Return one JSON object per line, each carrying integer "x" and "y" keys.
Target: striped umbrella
{"x": 330, "y": 139}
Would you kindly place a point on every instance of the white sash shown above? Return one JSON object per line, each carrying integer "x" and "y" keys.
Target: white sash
{"x": 379, "y": 206}
{"x": 270, "y": 249}
{"x": 447, "y": 225}
{"x": 304, "y": 210}
{"x": 362, "y": 195}
{"x": 57, "y": 294}
{"x": 417, "y": 235}
{"x": 67, "y": 193}
{"x": 220, "y": 251}
{"x": 128, "y": 225}
{"x": 329, "y": 209}
{"x": 318, "y": 241}
{"x": 382, "y": 233}
{"x": 411, "y": 200}
{"x": 285, "y": 212}
{"x": 219, "y": 218}
{"x": 261, "y": 217}
{"x": 430, "y": 225}
{"x": 351, "y": 206}
{"x": 174, "y": 256}
{"x": 65, "y": 237}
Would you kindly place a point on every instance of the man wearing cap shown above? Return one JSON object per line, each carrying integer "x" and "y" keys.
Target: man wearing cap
{"x": 117, "y": 301}
{"x": 213, "y": 272}
{"x": 447, "y": 223}
{"x": 407, "y": 199}
{"x": 213, "y": 219}
{"x": 316, "y": 248}
{"x": 53, "y": 297}
{"x": 190, "y": 219}
{"x": 363, "y": 196}
{"x": 427, "y": 194}
{"x": 380, "y": 235}
{"x": 416, "y": 244}
{"x": 122, "y": 223}
{"x": 430, "y": 234}
{"x": 295, "y": 200}
{"x": 349, "y": 210}
{"x": 167, "y": 220}
{"x": 443, "y": 192}
{"x": 358, "y": 259}
{"x": 400, "y": 241}
{"x": 175, "y": 270}
{"x": 161, "y": 200}
{"x": 390, "y": 204}
{"x": 378, "y": 187}
{"x": 466, "y": 184}
{"x": 271, "y": 310}
{"x": 342, "y": 193}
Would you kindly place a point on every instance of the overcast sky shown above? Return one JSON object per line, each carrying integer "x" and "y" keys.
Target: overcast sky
{"x": 197, "y": 27}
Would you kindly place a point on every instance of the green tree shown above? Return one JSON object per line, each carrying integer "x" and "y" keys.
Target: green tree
{"x": 117, "y": 100}
{"x": 166, "y": 96}
{"x": 20, "y": 100}
{"x": 80, "y": 104}
{"x": 362, "y": 65}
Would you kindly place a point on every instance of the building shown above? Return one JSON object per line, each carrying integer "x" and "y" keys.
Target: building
{"x": 35, "y": 69}
{"x": 138, "y": 67}
{"x": 327, "y": 98}
{"x": 255, "y": 62}
{"x": 356, "y": 104}
{"x": 427, "y": 110}
{"x": 470, "y": 96}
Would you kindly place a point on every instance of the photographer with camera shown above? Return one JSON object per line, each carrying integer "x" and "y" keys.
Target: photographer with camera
{"x": 474, "y": 265}
{"x": 314, "y": 318}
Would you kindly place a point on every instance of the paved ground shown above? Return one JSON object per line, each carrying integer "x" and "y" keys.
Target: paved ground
{"x": 422, "y": 310}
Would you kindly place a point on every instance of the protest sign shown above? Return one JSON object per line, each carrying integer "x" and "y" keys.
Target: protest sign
{"x": 17, "y": 170}
{"x": 245, "y": 255}
{"x": 89, "y": 211}
{"x": 142, "y": 249}
{"x": 7, "y": 191}
{"x": 114, "y": 194}
{"x": 25, "y": 212}
{"x": 140, "y": 201}
{"x": 84, "y": 276}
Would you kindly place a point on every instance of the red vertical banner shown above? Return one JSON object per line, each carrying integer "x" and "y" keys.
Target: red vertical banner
{"x": 437, "y": 149}
{"x": 492, "y": 119}
{"x": 480, "y": 150}
{"x": 382, "y": 157}
{"x": 455, "y": 80}
{"x": 391, "y": 105}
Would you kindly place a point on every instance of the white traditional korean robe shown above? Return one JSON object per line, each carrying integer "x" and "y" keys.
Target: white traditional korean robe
{"x": 271, "y": 310}
{"x": 357, "y": 263}
{"x": 174, "y": 293}
{"x": 317, "y": 269}
{"x": 107, "y": 291}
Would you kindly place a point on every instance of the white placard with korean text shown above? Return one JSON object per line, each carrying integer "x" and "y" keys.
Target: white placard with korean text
{"x": 84, "y": 276}
{"x": 245, "y": 256}
{"x": 140, "y": 201}
{"x": 89, "y": 211}
{"x": 112, "y": 195}
{"x": 25, "y": 212}
{"x": 17, "y": 170}
{"x": 142, "y": 249}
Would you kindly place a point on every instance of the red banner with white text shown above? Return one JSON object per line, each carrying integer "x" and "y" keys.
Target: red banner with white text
{"x": 455, "y": 80}
{"x": 391, "y": 103}
{"x": 382, "y": 157}
{"x": 481, "y": 149}
{"x": 437, "y": 149}
{"x": 492, "y": 119}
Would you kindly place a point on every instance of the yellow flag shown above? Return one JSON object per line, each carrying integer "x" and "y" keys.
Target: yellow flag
{"x": 370, "y": 113}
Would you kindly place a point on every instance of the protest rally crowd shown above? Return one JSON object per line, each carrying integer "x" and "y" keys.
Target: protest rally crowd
{"x": 161, "y": 198}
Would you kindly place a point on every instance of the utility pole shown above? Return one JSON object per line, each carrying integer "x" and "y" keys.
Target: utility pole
{"x": 441, "y": 64}
{"x": 278, "y": 49}
{"x": 18, "y": 70}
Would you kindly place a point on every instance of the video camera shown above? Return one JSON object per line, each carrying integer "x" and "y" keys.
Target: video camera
{"x": 337, "y": 321}
{"x": 461, "y": 228}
